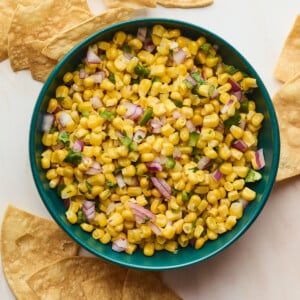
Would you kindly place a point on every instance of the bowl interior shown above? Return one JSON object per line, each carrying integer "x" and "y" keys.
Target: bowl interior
{"x": 162, "y": 260}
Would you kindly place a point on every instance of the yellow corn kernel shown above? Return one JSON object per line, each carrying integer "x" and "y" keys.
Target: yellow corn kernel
{"x": 241, "y": 171}
{"x": 106, "y": 238}
{"x": 248, "y": 83}
{"x": 144, "y": 87}
{"x": 238, "y": 184}
{"x": 171, "y": 246}
{"x": 224, "y": 88}
{"x": 224, "y": 151}
{"x": 257, "y": 119}
{"x": 199, "y": 243}
{"x": 69, "y": 191}
{"x": 131, "y": 248}
{"x": 248, "y": 194}
{"x": 115, "y": 219}
{"x": 230, "y": 222}
{"x": 148, "y": 249}
{"x": 236, "y": 154}
{"x": 249, "y": 138}
{"x": 97, "y": 233}
{"x": 158, "y": 70}
{"x": 147, "y": 157}
{"x": 236, "y": 209}
{"x": 233, "y": 195}
{"x": 87, "y": 227}
{"x": 194, "y": 203}
{"x": 61, "y": 91}
{"x": 97, "y": 179}
{"x": 211, "y": 120}
{"x": 226, "y": 168}
{"x": 134, "y": 191}
{"x": 236, "y": 131}
{"x": 71, "y": 216}
{"x": 129, "y": 171}
{"x": 52, "y": 105}
{"x": 210, "y": 153}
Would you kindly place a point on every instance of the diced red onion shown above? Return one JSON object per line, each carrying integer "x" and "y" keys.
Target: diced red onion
{"x": 244, "y": 202}
{"x": 162, "y": 187}
{"x": 176, "y": 115}
{"x": 242, "y": 124}
{"x": 77, "y": 146}
{"x": 239, "y": 95}
{"x": 139, "y": 136}
{"x": 48, "y": 121}
{"x": 173, "y": 45}
{"x": 154, "y": 166}
{"x": 92, "y": 57}
{"x": 120, "y": 245}
{"x": 190, "y": 126}
{"x": 98, "y": 76}
{"x": 155, "y": 125}
{"x": 217, "y": 175}
{"x": 141, "y": 212}
{"x": 148, "y": 45}
{"x": 66, "y": 203}
{"x": 88, "y": 209}
{"x": 120, "y": 180}
{"x": 191, "y": 80}
{"x": 133, "y": 111}
{"x": 215, "y": 94}
{"x": 96, "y": 102}
{"x": 240, "y": 145}
{"x": 94, "y": 169}
{"x": 110, "y": 208}
{"x": 156, "y": 230}
{"x": 235, "y": 87}
{"x": 128, "y": 56}
{"x": 64, "y": 119}
{"x": 260, "y": 159}
{"x": 142, "y": 33}
{"x": 82, "y": 74}
{"x": 179, "y": 56}
{"x": 131, "y": 180}
{"x": 177, "y": 153}
{"x": 227, "y": 105}
{"x": 203, "y": 163}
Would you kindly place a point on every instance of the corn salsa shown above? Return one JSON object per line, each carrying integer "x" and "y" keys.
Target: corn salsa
{"x": 151, "y": 142}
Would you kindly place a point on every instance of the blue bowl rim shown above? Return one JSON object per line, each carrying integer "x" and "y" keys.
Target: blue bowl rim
{"x": 85, "y": 42}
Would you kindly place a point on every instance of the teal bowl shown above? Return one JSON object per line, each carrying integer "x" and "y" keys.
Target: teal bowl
{"x": 162, "y": 260}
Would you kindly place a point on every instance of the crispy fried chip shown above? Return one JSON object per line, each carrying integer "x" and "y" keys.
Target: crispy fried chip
{"x": 144, "y": 284}
{"x": 108, "y": 286}
{"x": 287, "y": 105}
{"x": 25, "y": 247}
{"x": 288, "y": 64}
{"x": 7, "y": 8}
{"x": 40, "y": 23}
{"x": 64, "y": 41}
{"x": 130, "y": 3}
{"x": 64, "y": 278}
{"x": 185, "y": 3}
{"x": 40, "y": 65}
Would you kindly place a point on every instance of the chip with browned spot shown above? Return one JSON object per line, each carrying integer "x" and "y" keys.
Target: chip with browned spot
{"x": 185, "y": 3}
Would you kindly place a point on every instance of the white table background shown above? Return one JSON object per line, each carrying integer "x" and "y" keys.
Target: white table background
{"x": 264, "y": 263}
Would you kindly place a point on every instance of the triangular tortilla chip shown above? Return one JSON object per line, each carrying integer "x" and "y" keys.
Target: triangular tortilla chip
{"x": 287, "y": 105}
{"x": 63, "y": 279}
{"x": 29, "y": 242}
{"x": 31, "y": 23}
{"x": 185, "y": 3}
{"x": 130, "y": 3}
{"x": 64, "y": 41}
{"x": 146, "y": 285}
{"x": 108, "y": 286}
{"x": 288, "y": 64}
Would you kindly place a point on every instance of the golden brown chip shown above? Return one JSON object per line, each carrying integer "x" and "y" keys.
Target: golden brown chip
{"x": 108, "y": 287}
{"x": 7, "y": 8}
{"x": 27, "y": 243}
{"x": 64, "y": 278}
{"x": 288, "y": 64}
{"x": 40, "y": 65}
{"x": 185, "y": 3}
{"x": 31, "y": 23}
{"x": 287, "y": 105}
{"x": 130, "y": 3}
{"x": 64, "y": 41}
{"x": 146, "y": 285}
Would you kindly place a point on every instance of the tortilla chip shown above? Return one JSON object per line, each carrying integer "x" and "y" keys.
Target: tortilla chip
{"x": 64, "y": 278}
{"x": 287, "y": 106}
{"x": 288, "y": 64}
{"x": 185, "y": 3}
{"x": 30, "y": 23}
{"x": 130, "y": 3}
{"x": 7, "y": 8}
{"x": 146, "y": 284}
{"x": 108, "y": 287}
{"x": 64, "y": 41}
{"x": 40, "y": 65}
{"x": 27, "y": 243}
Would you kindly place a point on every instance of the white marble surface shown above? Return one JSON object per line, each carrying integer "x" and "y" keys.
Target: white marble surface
{"x": 264, "y": 263}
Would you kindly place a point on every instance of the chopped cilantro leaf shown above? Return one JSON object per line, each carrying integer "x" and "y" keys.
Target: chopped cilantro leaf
{"x": 126, "y": 49}
{"x": 80, "y": 217}
{"x": 109, "y": 184}
{"x": 141, "y": 71}
{"x": 230, "y": 69}
{"x": 74, "y": 158}
{"x": 107, "y": 115}
{"x": 196, "y": 75}
{"x": 178, "y": 103}
{"x": 205, "y": 47}
{"x": 88, "y": 186}
{"x": 64, "y": 137}
{"x": 112, "y": 78}
{"x": 234, "y": 120}
{"x": 253, "y": 176}
{"x": 60, "y": 99}
{"x": 85, "y": 113}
